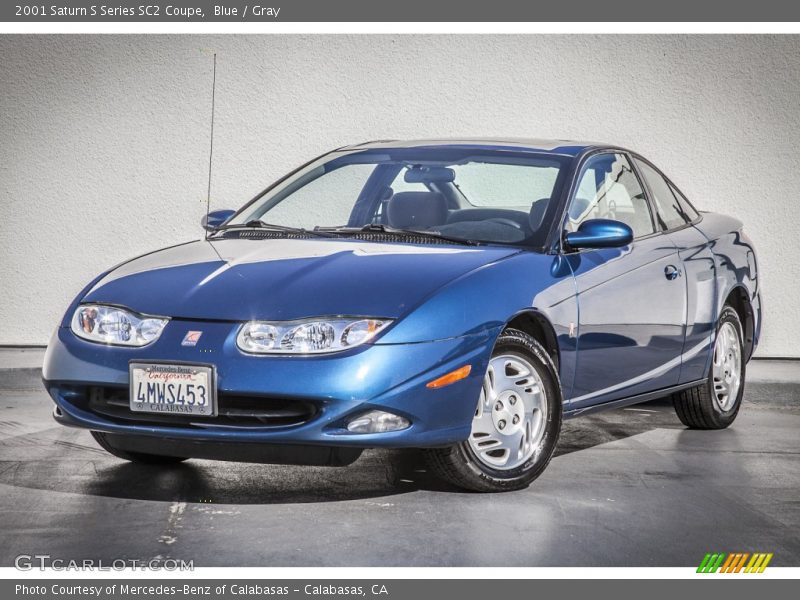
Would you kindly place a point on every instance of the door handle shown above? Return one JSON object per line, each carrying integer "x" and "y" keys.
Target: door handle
{"x": 672, "y": 272}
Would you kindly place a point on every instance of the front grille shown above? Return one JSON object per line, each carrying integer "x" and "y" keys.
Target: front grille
{"x": 234, "y": 410}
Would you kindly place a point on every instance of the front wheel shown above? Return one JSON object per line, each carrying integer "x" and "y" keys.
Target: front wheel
{"x": 516, "y": 424}
{"x": 715, "y": 403}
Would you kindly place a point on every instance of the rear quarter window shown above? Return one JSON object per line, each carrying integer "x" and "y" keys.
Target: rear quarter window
{"x": 685, "y": 204}
{"x": 671, "y": 214}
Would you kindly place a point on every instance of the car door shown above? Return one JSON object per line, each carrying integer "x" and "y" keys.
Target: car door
{"x": 675, "y": 215}
{"x": 631, "y": 300}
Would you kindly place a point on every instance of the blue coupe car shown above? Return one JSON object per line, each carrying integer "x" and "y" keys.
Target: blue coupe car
{"x": 460, "y": 296}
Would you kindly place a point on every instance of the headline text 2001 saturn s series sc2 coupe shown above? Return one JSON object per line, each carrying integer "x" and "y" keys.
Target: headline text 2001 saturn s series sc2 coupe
{"x": 460, "y": 296}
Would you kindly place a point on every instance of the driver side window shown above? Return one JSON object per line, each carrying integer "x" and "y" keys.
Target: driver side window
{"x": 609, "y": 189}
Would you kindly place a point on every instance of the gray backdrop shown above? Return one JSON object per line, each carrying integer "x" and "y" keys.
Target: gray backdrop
{"x": 105, "y": 138}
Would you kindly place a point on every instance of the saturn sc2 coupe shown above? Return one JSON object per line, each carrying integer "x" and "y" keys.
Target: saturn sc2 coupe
{"x": 456, "y": 296}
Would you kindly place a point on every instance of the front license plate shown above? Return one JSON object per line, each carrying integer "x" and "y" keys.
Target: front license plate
{"x": 173, "y": 389}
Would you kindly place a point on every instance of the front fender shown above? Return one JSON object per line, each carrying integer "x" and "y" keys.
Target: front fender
{"x": 490, "y": 296}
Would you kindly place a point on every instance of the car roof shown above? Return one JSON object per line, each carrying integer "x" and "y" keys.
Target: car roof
{"x": 561, "y": 147}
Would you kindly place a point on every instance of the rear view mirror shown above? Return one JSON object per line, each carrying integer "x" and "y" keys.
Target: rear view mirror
{"x": 215, "y": 219}
{"x": 600, "y": 233}
{"x": 430, "y": 175}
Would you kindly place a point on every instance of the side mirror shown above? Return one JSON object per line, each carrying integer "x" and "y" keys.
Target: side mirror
{"x": 600, "y": 233}
{"x": 215, "y": 218}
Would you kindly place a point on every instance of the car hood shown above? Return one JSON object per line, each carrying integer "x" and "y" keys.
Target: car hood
{"x": 240, "y": 279}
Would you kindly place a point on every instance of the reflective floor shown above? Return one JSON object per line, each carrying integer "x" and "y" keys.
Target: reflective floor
{"x": 627, "y": 487}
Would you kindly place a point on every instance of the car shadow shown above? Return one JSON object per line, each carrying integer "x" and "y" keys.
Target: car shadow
{"x": 586, "y": 432}
{"x": 378, "y": 473}
{"x": 67, "y": 460}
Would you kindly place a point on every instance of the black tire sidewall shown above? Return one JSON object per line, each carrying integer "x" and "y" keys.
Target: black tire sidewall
{"x": 523, "y": 345}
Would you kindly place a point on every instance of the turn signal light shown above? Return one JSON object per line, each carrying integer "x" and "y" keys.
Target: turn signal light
{"x": 451, "y": 377}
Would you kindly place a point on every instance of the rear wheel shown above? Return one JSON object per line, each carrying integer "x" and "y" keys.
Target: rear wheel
{"x": 516, "y": 424}
{"x": 138, "y": 457}
{"x": 715, "y": 403}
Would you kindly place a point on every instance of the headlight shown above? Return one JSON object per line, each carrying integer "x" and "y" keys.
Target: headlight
{"x": 310, "y": 336}
{"x": 112, "y": 325}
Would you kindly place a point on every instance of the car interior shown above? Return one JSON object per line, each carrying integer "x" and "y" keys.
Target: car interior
{"x": 607, "y": 190}
{"x": 443, "y": 208}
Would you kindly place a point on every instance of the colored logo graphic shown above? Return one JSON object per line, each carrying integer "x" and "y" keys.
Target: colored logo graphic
{"x": 735, "y": 562}
{"x": 191, "y": 338}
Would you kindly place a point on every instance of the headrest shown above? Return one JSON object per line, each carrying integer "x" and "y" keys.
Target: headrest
{"x": 416, "y": 210}
{"x": 429, "y": 175}
{"x": 536, "y": 216}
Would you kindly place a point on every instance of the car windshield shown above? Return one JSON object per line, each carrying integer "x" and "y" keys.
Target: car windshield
{"x": 468, "y": 194}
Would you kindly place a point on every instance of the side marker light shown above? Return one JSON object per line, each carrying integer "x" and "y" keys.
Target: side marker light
{"x": 451, "y": 377}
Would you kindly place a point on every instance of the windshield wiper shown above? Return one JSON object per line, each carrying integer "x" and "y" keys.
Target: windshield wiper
{"x": 381, "y": 228}
{"x": 329, "y": 232}
{"x": 259, "y": 224}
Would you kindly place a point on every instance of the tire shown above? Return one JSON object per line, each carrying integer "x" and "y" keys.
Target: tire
{"x": 490, "y": 460}
{"x": 136, "y": 457}
{"x": 707, "y": 406}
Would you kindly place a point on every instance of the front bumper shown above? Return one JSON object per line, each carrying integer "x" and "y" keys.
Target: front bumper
{"x": 339, "y": 386}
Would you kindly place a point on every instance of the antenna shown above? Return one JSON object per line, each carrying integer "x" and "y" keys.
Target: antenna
{"x": 211, "y": 141}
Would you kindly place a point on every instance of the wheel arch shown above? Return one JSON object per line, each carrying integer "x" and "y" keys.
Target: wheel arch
{"x": 738, "y": 298}
{"x": 538, "y": 326}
